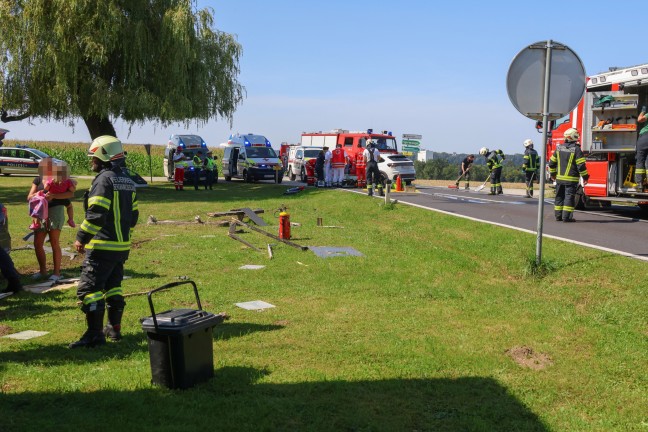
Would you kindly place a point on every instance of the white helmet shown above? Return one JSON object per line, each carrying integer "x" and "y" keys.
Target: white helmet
{"x": 571, "y": 135}
{"x": 106, "y": 148}
{"x": 528, "y": 143}
{"x": 483, "y": 151}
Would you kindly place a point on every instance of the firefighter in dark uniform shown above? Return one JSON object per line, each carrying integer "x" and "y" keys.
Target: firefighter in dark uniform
{"x": 566, "y": 165}
{"x": 371, "y": 156}
{"x": 494, "y": 161}
{"x": 105, "y": 237}
{"x": 198, "y": 169}
{"x": 530, "y": 165}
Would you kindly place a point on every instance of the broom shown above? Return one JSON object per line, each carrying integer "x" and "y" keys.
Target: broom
{"x": 456, "y": 185}
{"x": 483, "y": 185}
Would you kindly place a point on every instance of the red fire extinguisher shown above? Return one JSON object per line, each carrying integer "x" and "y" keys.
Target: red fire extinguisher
{"x": 284, "y": 225}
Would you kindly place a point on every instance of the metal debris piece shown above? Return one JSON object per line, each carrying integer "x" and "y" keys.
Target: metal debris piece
{"x": 259, "y": 230}
{"x": 255, "y": 305}
{"x": 330, "y": 251}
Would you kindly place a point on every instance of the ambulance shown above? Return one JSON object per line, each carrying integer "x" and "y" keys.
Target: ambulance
{"x": 251, "y": 158}
{"x": 191, "y": 145}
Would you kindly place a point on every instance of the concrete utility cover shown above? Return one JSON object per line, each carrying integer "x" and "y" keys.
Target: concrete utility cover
{"x": 251, "y": 267}
{"x": 330, "y": 251}
{"x": 255, "y": 305}
{"x": 27, "y": 334}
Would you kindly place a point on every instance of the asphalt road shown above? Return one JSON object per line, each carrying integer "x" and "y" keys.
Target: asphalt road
{"x": 620, "y": 230}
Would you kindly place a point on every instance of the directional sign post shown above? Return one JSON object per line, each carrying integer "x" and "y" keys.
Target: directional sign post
{"x": 545, "y": 81}
{"x": 411, "y": 143}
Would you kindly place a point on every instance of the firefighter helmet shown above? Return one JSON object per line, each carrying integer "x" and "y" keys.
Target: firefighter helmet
{"x": 571, "y": 135}
{"x": 483, "y": 151}
{"x": 528, "y": 143}
{"x": 106, "y": 148}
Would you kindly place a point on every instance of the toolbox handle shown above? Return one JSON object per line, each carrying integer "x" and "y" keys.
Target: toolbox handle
{"x": 168, "y": 286}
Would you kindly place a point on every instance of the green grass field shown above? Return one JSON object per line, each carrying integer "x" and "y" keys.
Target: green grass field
{"x": 414, "y": 336}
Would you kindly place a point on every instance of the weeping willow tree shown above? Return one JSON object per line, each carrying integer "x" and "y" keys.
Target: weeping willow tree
{"x": 159, "y": 61}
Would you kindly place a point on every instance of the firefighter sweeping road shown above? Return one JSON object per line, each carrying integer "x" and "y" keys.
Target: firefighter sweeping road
{"x": 614, "y": 230}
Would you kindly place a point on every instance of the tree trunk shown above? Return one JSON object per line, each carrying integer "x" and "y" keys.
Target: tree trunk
{"x": 98, "y": 126}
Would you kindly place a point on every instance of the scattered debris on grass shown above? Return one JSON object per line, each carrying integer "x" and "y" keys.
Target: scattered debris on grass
{"x": 27, "y": 334}
{"x": 235, "y": 222}
{"x": 251, "y": 267}
{"x": 526, "y": 357}
{"x": 330, "y": 251}
{"x": 255, "y": 305}
{"x": 301, "y": 263}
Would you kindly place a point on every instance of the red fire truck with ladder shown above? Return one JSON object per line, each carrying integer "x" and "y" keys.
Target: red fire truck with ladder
{"x": 606, "y": 118}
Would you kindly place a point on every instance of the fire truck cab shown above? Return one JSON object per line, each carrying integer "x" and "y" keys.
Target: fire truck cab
{"x": 606, "y": 118}
{"x": 392, "y": 163}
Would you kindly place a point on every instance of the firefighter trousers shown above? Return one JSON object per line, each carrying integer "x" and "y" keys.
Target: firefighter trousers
{"x": 530, "y": 177}
{"x": 100, "y": 283}
{"x": 373, "y": 173}
{"x": 641, "y": 165}
{"x": 178, "y": 178}
{"x": 564, "y": 201}
{"x": 496, "y": 181}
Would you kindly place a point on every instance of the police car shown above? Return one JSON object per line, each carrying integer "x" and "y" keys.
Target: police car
{"x": 20, "y": 160}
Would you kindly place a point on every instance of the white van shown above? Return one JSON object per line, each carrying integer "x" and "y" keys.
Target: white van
{"x": 190, "y": 144}
{"x": 251, "y": 157}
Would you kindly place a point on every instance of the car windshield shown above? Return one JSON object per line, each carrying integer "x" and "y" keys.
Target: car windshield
{"x": 191, "y": 140}
{"x": 39, "y": 153}
{"x": 384, "y": 143}
{"x": 260, "y": 152}
{"x": 311, "y": 153}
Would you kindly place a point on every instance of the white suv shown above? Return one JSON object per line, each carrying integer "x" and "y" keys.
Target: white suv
{"x": 393, "y": 165}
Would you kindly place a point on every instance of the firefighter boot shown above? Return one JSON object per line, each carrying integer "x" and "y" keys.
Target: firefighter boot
{"x": 381, "y": 192}
{"x": 370, "y": 190}
{"x": 112, "y": 330}
{"x": 94, "y": 335}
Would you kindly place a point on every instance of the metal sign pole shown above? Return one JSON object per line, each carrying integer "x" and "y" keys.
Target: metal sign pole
{"x": 543, "y": 153}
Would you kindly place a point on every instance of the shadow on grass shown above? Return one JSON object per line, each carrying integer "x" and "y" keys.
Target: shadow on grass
{"x": 54, "y": 355}
{"x": 234, "y": 400}
{"x": 28, "y": 305}
{"x": 227, "y": 330}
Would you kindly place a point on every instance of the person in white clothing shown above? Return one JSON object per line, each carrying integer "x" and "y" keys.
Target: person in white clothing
{"x": 327, "y": 167}
{"x": 371, "y": 156}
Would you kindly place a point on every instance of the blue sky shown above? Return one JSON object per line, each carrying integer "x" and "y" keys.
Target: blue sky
{"x": 412, "y": 66}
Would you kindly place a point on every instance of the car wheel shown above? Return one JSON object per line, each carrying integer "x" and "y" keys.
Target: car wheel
{"x": 302, "y": 176}
{"x": 278, "y": 179}
{"x": 292, "y": 175}
{"x": 228, "y": 178}
{"x": 248, "y": 177}
{"x": 408, "y": 182}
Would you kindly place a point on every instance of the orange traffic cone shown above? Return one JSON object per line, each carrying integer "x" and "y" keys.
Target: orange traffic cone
{"x": 399, "y": 184}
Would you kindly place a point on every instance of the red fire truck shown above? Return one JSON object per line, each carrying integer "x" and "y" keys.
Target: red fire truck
{"x": 606, "y": 118}
{"x": 392, "y": 163}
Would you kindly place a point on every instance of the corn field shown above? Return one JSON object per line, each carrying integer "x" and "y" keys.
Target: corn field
{"x": 75, "y": 154}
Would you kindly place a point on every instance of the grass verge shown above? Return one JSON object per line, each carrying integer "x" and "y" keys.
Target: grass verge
{"x": 416, "y": 335}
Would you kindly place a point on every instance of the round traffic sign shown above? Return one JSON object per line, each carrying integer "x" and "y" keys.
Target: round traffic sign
{"x": 525, "y": 81}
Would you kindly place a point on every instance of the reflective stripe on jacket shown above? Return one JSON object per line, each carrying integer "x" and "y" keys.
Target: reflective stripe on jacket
{"x": 531, "y": 160}
{"x": 568, "y": 163}
{"x": 111, "y": 212}
{"x": 494, "y": 159}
